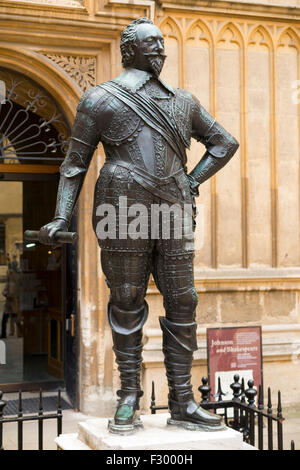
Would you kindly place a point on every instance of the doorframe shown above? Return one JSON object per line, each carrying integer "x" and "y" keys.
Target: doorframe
{"x": 27, "y": 172}
{"x": 28, "y": 168}
{"x": 70, "y": 314}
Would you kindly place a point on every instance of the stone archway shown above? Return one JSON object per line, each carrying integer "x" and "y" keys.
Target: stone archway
{"x": 46, "y": 74}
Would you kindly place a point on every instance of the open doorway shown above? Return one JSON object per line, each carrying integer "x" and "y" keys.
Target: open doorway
{"x": 31, "y": 286}
{"x": 38, "y": 310}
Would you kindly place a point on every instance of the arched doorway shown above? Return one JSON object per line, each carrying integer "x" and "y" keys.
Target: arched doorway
{"x": 33, "y": 128}
{"x": 33, "y": 142}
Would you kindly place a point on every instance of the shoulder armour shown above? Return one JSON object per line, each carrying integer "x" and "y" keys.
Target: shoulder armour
{"x": 89, "y": 99}
{"x": 183, "y": 105}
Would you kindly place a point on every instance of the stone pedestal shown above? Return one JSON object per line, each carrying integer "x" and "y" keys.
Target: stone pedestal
{"x": 156, "y": 435}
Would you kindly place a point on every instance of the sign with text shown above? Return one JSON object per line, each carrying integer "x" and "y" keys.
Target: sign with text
{"x": 234, "y": 350}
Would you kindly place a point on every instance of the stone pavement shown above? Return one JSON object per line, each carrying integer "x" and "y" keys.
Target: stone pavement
{"x": 291, "y": 427}
{"x": 291, "y": 430}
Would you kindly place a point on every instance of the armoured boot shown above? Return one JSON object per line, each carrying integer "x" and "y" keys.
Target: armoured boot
{"x": 179, "y": 342}
{"x": 127, "y": 347}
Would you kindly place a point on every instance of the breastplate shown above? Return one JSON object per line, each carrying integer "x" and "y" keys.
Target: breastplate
{"x": 128, "y": 137}
{"x": 124, "y": 124}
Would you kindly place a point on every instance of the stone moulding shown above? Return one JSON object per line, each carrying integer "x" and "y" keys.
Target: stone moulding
{"x": 124, "y": 11}
{"x": 148, "y": 4}
{"x": 57, "y": 3}
{"x": 243, "y": 280}
{"x": 235, "y": 7}
{"x": 280, "y": 342}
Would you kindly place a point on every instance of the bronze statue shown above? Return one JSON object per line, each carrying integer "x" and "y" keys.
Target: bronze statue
{"x": 145, "y": 127}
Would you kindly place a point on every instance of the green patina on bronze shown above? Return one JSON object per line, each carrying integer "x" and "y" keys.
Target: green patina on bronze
{"x": 125, "y": 412}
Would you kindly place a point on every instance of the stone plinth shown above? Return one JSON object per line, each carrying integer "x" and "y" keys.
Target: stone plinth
{"x": 156, "y": 435}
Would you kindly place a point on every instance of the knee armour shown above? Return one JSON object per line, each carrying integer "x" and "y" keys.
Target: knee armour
{"x": 179, "y": 336}
{"x": 184, "y": 304}
{"x": 126, "y": 322}
{"x": 128, "y": 296}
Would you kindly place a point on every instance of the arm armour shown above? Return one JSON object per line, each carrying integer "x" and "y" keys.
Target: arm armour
{"x": 84, "y": 139}
{"x": 220, "y": 145}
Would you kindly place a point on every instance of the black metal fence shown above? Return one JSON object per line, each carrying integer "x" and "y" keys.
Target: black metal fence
{"x": 21, "y": 417}
{"x": 247, "y": 418}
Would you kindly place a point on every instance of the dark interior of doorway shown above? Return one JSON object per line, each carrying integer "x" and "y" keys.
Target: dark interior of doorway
{"x": 46, "y": 344}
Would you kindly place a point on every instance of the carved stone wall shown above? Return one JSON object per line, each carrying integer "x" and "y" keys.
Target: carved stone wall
{"x": 245, "y": 70}
{"x": 245, "y": 73}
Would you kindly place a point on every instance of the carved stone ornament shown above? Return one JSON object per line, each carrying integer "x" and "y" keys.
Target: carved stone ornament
{"x": 82, "y": 69}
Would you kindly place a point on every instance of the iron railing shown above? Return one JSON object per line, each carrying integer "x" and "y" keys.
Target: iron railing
{"x": 21, "y": 417}
{"x": 247, "y": 418}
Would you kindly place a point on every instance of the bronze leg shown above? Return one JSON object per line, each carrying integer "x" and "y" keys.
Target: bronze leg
{"x": 174, "y": 276}
{"x": 127, "y": 276}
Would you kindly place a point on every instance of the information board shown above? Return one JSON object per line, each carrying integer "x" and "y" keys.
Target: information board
{"x": 230, "y": 351}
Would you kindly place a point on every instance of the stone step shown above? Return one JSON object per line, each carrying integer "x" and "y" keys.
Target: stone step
{"x": 70, "y": 442}
{"x": 156, "y": 435}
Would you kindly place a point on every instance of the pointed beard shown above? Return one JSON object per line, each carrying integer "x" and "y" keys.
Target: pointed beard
{"x": 156, "y": 63}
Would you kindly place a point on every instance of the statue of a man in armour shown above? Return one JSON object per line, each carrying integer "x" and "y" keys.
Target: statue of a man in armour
{"x": 145, "y": 127}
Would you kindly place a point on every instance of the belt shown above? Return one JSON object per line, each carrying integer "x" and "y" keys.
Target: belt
{"x": 150, "y": 182}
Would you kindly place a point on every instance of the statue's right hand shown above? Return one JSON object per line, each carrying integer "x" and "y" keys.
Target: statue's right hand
{"x": 48, "y": 231}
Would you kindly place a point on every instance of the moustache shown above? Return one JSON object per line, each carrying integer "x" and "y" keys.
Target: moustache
{"x": 155, "y": 54}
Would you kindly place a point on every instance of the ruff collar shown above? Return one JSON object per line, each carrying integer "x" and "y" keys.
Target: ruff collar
{"x": 134, "y": 79}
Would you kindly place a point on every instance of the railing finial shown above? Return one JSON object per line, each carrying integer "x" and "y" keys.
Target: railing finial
{"x": 205, "y": 390}
{"x": 251, "y": 393}
{"x": 236, "y": 387}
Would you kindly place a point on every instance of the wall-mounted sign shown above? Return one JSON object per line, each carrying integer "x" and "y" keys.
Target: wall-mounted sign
{"x": 234, "y": 350}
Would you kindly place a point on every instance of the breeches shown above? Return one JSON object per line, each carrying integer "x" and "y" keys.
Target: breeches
{"x": 129, "y": 218}
{"x": 128, "y": 275}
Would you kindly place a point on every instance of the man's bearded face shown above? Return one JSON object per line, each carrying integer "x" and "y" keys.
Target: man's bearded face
{"x": 150, "y": 54}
